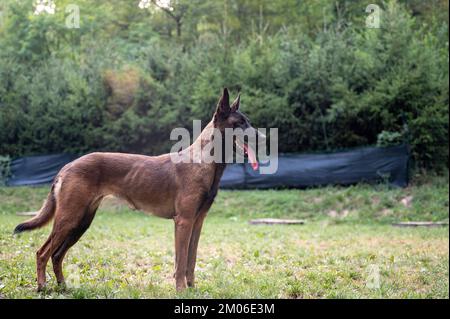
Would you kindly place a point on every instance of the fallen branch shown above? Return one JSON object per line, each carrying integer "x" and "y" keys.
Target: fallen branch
{"x": 420, "y": 224}
{"x": 272, "y": 221}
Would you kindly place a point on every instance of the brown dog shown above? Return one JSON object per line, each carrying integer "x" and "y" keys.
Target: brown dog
{"x": 182, "y": 191}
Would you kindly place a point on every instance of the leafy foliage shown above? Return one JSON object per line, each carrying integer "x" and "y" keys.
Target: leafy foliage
{"x": 128, "y": 76}
{"x": 5, "y": 170}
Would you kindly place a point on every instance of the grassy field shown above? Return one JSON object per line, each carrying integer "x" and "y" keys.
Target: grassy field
{"x": 346, "y": 249}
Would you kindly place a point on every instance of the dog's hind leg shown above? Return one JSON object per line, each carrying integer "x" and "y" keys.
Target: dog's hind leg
{"x": 70, "y": 239}
{"x": 55, "y": 240}
{"x": 42, "y": 257}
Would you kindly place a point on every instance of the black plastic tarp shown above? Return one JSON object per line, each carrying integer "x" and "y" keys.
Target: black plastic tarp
{"x": 368, "y": 164}
{"x": 36, "y": 170}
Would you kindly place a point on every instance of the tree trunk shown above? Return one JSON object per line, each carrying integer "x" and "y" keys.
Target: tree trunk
{"x": 179, "y": 24}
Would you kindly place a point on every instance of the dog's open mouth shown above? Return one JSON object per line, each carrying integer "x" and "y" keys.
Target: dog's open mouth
{"x": 250, "y": 153}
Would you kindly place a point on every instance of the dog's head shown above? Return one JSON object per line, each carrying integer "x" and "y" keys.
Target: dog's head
{"x": 229, "y": 116}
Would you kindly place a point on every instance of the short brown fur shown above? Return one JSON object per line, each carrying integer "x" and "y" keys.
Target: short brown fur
{"x": 183, "y": 192}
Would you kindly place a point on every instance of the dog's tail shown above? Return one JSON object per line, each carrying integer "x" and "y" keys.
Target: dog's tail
{"x": 42, "y": 218}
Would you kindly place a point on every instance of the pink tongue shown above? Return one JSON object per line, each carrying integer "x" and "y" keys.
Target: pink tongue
{"x": 251, "y": 157}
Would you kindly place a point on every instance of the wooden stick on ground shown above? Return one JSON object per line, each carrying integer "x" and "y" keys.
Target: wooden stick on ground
{"x": 420, "y": 224}
{"x": 273, "y": 221}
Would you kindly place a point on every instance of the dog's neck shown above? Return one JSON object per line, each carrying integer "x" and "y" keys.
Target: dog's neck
{"x": 197, "y": 148}
{"x": 206, "y": 137}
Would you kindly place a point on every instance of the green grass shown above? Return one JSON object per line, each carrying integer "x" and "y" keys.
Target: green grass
{"x": 348, "y": 232}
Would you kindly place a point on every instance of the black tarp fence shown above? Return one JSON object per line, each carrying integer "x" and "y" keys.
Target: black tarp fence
{"x": 37, "y": 170}
{"x": 367, "y": 164}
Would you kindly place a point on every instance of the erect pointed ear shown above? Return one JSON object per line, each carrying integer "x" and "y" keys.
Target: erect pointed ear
{"x": 223, "y": 107}
{"x": 235, "y": 106}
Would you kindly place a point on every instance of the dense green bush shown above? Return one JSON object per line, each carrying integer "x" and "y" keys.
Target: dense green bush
{"x": 5, "y": 170}
{"x": 121, "y": 84}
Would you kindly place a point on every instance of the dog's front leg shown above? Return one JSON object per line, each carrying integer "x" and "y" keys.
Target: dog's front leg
{"x": 193, "y": 245}
{"x": 183, "y": 231}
